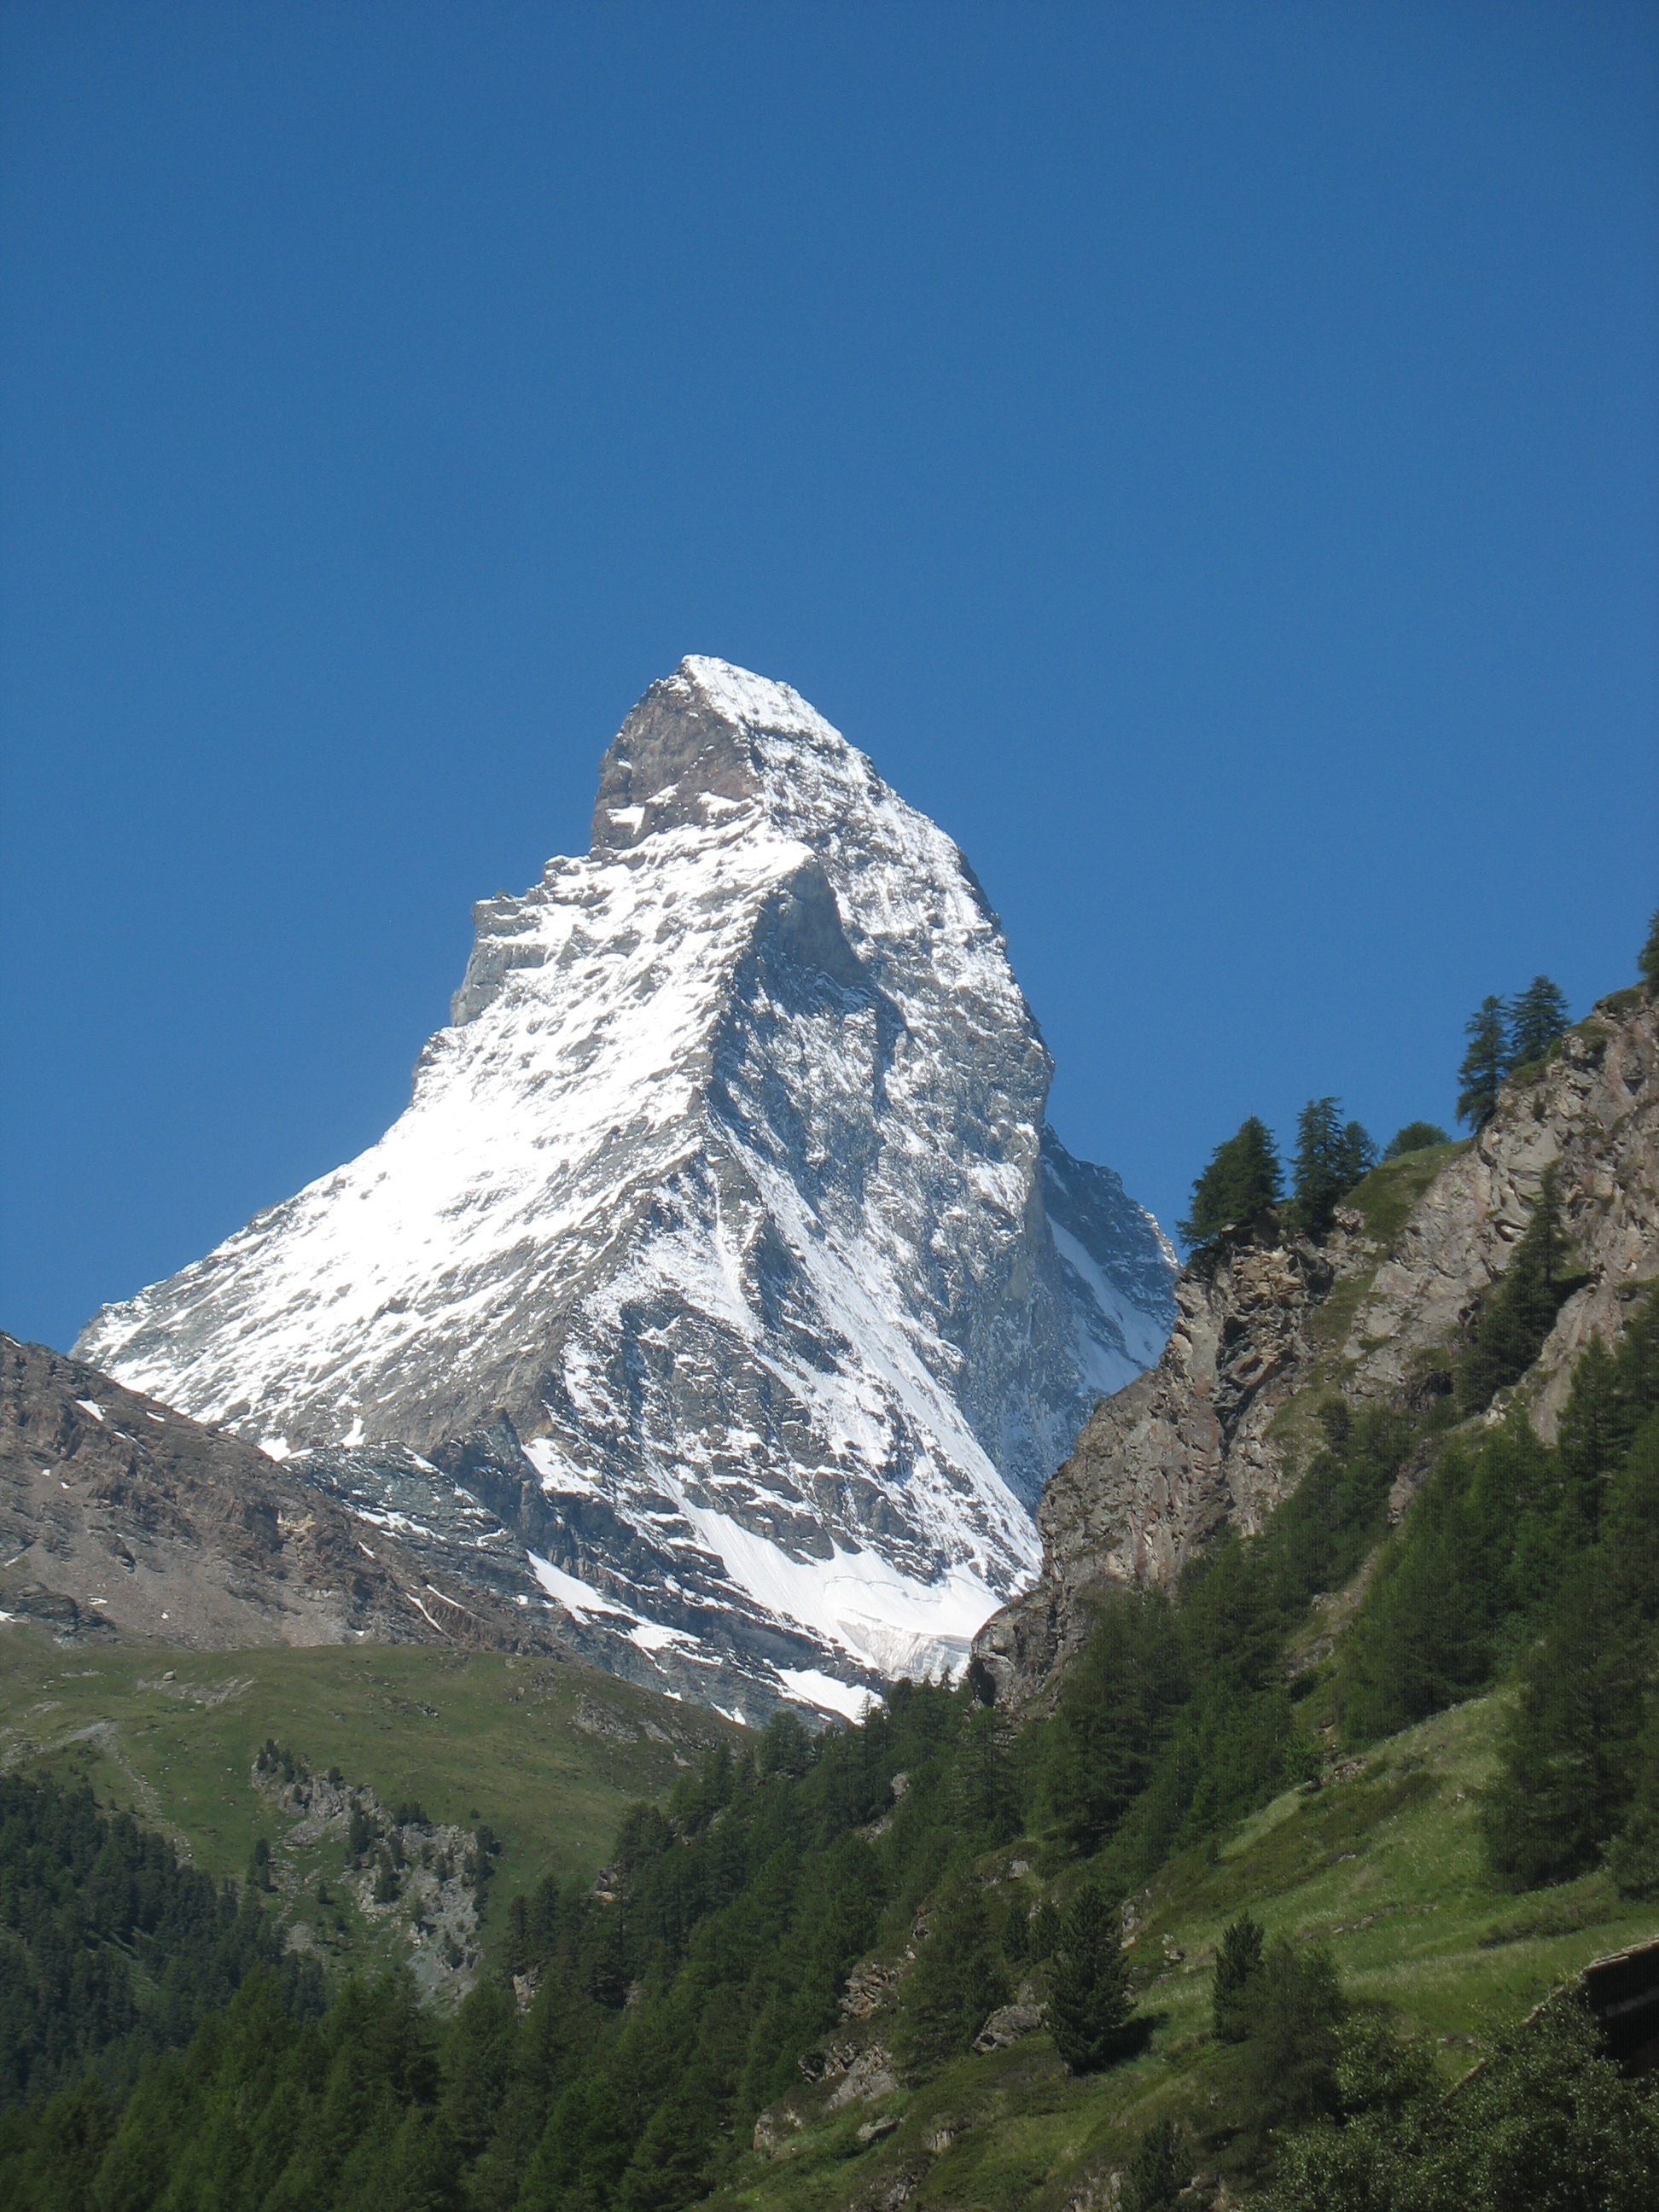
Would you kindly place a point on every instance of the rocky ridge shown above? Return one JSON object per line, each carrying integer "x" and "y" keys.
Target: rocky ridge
{"x": 1217, "y": 1432}
{"x": 122, "y": 1517}
{"x": 723, "y": 1284}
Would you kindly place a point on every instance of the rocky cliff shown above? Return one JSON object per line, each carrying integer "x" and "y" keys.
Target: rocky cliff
{"x": 723, "y": 1282}
{"x": 120, "y": 1516}
{"x": 1265, "y": 1324}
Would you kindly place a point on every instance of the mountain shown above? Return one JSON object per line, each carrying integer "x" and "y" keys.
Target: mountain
{"x": 1268, "y": 1325}
{"x": 122, "y": 1519}
{"x": 722, "y": 1283}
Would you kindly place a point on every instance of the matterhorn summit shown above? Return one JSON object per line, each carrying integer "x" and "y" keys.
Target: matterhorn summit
{"x": 722, "y": 1283}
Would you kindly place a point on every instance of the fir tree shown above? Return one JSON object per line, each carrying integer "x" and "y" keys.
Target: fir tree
{"x": 1591, "y": 1443}
{"x": 1632, "y": 1855}
{"x": 1358, "y": 1156}
{"x": 1017, "y": 1935}
{"x": 988, "y": 1784}
{"x": 1484, "y": 1065}
{"x": 1090, "y": 2003}
{"x": 1237, "y": 1963}
{"x": 1241, "y": 1182}
{"x": 1117, "y": 1704}
{"x": 1296, "y": 2006}
{"x": 1536, "y": 1019}
{"x": 1043, "y": 1932}
{"x": 1159, "y": 2170}
{"x": 1415, "y": 1137}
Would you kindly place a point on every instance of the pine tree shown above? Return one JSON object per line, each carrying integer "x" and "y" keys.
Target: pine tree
{"x": 1237, "y": 1962}
{"x": 1116, "y": 1706}
{"x": 1358, "y": 1156}
{"x": 1043, "y": 1932}
{"x": 1159, "y": 2170}
{"x": 1591, "y": 1443}
{"x": 1241, "y": 1182}
{"x": 1415, "y": 1137}
{"x": 1484, "y": 1065}
{"x": 1536, "y": 1019}
{"x": 987, "y": 1784}
{"x": 1090, "y": 2003}
{"x": 1017, "y": 1935}
{"x": 1295, "y": 2005}
{"x": 1633, "y": 1855}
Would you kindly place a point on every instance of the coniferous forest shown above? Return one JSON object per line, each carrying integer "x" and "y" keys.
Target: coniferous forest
{"x": 160, "y": 2051}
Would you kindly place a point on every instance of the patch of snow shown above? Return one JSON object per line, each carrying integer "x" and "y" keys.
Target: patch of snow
{"x": 811, "y": 1688}
{"x": 652, "y": 1636}
{"x": 91, "y": 1406}
{"x": 858, "y": 1600}
{"x": 574, "y": 1596}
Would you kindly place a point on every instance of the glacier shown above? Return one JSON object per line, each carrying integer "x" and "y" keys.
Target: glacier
{"x": 722, "y": 1286}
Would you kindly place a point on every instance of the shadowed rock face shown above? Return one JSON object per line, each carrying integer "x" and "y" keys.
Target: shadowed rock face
{"x": 1191, "y": 1444}
{"x": 723, "y": 1240}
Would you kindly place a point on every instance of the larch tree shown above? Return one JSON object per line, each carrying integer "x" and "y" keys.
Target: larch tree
{"x": 1480, "y": 1077}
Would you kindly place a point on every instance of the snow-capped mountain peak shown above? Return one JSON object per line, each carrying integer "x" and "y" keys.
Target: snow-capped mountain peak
{"x": 722, "y": 1257}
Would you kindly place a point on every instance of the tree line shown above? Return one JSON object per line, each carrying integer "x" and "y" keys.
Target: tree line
{"x": 1244, "y": 1179}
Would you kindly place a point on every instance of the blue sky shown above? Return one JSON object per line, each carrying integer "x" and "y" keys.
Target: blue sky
{"x": 1207, "y": 455}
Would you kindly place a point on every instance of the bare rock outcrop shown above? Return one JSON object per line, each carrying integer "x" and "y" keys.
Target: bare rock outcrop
{"x": 1159, "y": 1467}
{"x": 1592, "y": 1114}
{"x": 121, "y": 1517}
{"x": 1203, "y": 1438}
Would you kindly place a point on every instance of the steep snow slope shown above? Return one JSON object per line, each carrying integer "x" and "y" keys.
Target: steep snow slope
{"x": 727, "y": 1205}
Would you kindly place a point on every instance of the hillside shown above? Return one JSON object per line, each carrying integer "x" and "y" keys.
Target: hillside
{"x": 545, "y": 1755}
{"x": 1245, "y": 1880}
{"x": 1271, "y": 1326}
{"x": 1384, "y": 1864}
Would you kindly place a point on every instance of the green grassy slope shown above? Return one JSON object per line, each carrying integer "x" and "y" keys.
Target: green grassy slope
{"x": 546, "y": 1755}
{"x": 1383, "y": 1862}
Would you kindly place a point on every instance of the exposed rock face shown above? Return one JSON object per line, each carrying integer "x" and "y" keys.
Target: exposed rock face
{"x": 723, "y": 1256}
{"x": 120, "y": 1517}
{"x": 1197, "y": 1441}
{"x": 1159, "y": 1467}
{"x": 1592, "y": 1115}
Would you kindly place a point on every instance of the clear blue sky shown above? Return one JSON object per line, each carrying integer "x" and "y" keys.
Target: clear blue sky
{"x": 1207, "y": 455}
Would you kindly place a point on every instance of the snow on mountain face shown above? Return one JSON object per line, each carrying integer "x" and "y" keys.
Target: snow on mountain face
{"x": 722, "y": 1262}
